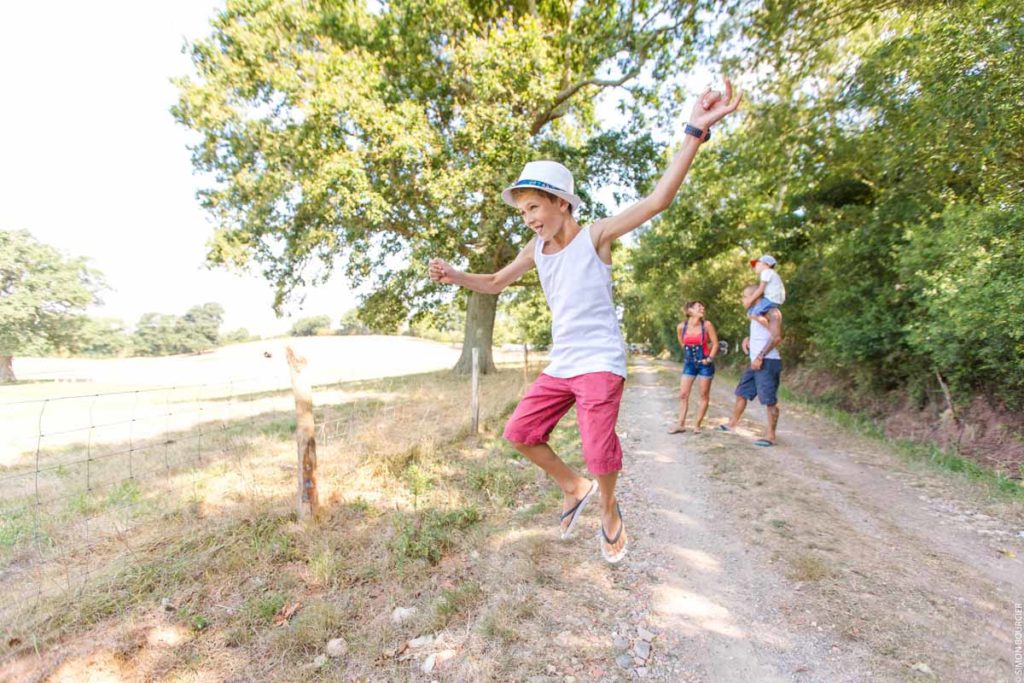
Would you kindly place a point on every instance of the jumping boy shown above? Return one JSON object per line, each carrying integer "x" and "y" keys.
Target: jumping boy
{"x": 588, "y": 360}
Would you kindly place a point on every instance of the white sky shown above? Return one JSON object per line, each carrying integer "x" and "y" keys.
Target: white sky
{"x": 92, "y": 162}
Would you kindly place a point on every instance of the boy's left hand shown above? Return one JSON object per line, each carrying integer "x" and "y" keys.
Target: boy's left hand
{"x": 712, "y": 107}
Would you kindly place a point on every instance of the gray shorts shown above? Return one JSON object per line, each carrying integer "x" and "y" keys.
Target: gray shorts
{"x": 763, "y": 383}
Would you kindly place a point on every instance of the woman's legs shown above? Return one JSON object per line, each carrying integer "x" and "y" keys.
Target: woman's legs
{"x": 685, "y": 384}
{"x": 705, "y": 398}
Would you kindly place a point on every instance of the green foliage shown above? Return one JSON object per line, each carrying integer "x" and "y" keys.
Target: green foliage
{"x": 238, "y": 336}
{"x": 880, "y": 162}
{"x": 429, "y": 535}
{"x": 102, "y": 337}
{"x": 310, "y": 327}
{"x": 43, "y": 295}
{"x": 375, "y": 137}
{"x": 159, "y": 334}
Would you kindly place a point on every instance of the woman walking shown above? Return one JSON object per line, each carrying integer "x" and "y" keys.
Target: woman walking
{"x": 699, "y": 340}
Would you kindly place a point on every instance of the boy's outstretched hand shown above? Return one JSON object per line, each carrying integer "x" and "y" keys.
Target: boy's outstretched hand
{"x": 712, "y": 107}
{"x": 440, "y": 271}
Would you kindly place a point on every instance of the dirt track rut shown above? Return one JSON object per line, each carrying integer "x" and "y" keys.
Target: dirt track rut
{"x": 826, "y": 558}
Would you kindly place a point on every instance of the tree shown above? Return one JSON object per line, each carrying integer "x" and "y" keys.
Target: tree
{"x": 43, "y": 295}
{"x": 161, "y": 334}
{"x": 310, "y": 327}
{"x": 379, "y": 137}
{"x": 880, "y": 161}
{"x": 102, "y": 337}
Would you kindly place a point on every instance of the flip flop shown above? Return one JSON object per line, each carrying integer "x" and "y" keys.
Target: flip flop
{"x": 763, "y": 443}
{"x": 723, "y": 428}
{"x": 614, "y": 558}
{"x": 575, "y": 511}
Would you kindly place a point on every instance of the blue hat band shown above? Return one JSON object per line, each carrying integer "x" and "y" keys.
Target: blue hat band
{"x": 538, "y": 183}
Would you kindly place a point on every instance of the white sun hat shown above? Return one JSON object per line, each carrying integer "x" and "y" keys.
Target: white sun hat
{"x": 546, "y": 176}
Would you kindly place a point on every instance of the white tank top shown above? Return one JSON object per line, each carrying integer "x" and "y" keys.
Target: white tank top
{"x": 584, "y": 328}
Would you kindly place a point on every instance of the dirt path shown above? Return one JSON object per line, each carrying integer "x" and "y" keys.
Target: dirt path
{"x": 826, "y": 558}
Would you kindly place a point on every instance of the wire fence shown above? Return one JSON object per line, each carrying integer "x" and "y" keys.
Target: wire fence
{"x": 83, "y": 475}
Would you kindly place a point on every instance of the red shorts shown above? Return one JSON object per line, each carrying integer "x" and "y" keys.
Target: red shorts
{"x": 597, "y": 396}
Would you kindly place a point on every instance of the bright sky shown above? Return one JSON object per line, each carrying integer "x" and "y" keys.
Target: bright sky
{"x": 91, "y": 161}
{"x": 94, "y": 164}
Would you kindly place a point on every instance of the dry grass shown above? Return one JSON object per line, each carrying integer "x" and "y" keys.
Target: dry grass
{"x": 407, "y": 498}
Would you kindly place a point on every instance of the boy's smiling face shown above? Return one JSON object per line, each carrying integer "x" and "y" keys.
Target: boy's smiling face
{"x": 543, "y": 213}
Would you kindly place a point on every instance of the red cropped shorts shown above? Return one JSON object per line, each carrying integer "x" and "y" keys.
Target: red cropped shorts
{"x": 597, "y": 396}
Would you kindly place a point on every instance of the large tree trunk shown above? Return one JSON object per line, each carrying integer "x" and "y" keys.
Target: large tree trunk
{"x": 480, "y": 310}
{"x": 7, "y": 367}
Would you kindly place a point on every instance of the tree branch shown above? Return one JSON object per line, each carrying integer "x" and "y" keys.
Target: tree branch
{"x": 551, "y": 112}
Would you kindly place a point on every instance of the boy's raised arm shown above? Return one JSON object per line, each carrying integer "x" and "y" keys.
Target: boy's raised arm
{"x": 489, "y": 283}
{"x": 709, "y": 109}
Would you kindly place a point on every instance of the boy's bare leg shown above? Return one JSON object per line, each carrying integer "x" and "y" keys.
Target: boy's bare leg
{"x": 705, "y": 398}
{"x": 610, "y": 520}
{"x": 573, "y": 486}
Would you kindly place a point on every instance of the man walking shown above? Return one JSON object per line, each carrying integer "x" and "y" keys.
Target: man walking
{"x": 761, "y": 379}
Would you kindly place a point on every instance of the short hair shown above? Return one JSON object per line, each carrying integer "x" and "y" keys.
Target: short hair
{"x": 691, "y": 304}
{"x": 520, "y": 191}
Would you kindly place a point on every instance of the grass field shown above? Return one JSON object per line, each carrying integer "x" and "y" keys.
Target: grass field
{"x": 77, "y": 555}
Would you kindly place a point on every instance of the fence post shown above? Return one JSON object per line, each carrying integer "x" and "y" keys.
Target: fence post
{"x": 305, "y": 436}
{"x": 474, "y": 402}
{"x": 526, "y": 364}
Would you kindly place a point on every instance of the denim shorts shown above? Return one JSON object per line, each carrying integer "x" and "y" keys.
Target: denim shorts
{"x": 763, "y": 305}
{"x": 763, "y": 383}
{"x": 692, "y": 366}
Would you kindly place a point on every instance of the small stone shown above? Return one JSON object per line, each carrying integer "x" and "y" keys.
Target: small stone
{"x": 642, "y": 649}
{"x": 402, "y": 614}
{"x": 167, "y": 605}
{"x": 428, "y": 664}
{"x": 569, "y": 679}
{"x": 641, "y": 671}
{"x": 923, "y": 668}
{"x": 552, "y": 669}
{"x": 620, "y": 643}
{"x": 422, "y": 641}
{"x": 319, "y": 661}
{"x": 625, "y": 661}
{"x": 644, "y": 634}
{"x": 336, "y": 647}
{"x": 443, "y": 656}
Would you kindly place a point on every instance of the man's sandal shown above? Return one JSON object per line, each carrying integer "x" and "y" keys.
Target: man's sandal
{"x": 764, "y": 443}
{"x": 613, "y": 558}
{"x": 575, "y": 511}
{"x": 723, "y": 428}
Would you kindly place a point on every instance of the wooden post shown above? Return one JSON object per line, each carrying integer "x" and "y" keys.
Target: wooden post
{"x": 526, "y": 364}
{"x": 474, "y": 402}
{"x": 305, "y": 437}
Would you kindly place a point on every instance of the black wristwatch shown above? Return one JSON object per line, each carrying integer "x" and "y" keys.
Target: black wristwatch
{"x": 697, "y": 132}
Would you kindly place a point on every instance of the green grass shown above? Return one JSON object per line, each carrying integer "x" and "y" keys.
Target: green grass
{"x": 455, "y": 602}
{"x": 910, "y": 450}
{"x": 497, "y": 481}
{"x": 431, "y": 534}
